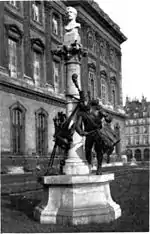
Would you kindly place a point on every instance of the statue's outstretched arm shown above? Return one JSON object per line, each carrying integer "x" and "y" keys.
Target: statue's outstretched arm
{"x": 79, "y": 126}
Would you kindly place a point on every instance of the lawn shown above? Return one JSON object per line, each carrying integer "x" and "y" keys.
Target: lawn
{"x": 130, "y": 189}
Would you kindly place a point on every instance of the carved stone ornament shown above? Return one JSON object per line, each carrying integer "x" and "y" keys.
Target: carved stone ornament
{"x": 67, "y": 52}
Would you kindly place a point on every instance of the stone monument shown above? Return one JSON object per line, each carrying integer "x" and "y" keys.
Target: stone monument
{"x": 133, "y": 161}
{"x": 77, "y": 197}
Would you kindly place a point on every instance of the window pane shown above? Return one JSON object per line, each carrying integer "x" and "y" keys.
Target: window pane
{"x": 41, "y": 133}
{"x": 56, "y": 74}
{"x": 37, "y": 67}
{"x": 12, "y": 48}
{"x": 91, "y": 84}
{"x": 104, "y": 91}
{"x": 17, "y": 130}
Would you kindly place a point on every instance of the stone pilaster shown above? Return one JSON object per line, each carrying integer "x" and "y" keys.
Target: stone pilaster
{"x": 2, "y": 40}
{"x": 27, "y": 42}
{"x": 84, "y": 65}
{"x": 48, "y": 54}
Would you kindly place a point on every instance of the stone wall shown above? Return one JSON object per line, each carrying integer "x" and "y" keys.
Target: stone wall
{"x": 9, "y": 99}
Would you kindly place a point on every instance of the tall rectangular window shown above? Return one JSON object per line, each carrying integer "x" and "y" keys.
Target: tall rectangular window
{"x": 37, "y": 67}
{"x": 128, "y": 141}
{"x": 41, "y": 132}
{"x": 104, "y": 91}
{"x": 113, "y": 94}
{"x": 17, "y": 123}
{"x": 17, "y": 130}
{"x": 56, "y": 75}
{"x": 12, "y": 48}
{"x": 137, "y": 140}
{"x": 92, "y": 83}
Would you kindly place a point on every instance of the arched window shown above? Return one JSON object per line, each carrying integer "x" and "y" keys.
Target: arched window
{"x": 41, "y": 131}
{"x": 17, "y": 117}
{"x": 138, "y": 154}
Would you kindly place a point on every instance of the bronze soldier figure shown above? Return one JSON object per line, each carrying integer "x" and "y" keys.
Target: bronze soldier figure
{"x": 101, "y": 138}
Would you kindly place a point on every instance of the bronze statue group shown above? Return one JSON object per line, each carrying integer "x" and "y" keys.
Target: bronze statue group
{"x": 92, "y": 122}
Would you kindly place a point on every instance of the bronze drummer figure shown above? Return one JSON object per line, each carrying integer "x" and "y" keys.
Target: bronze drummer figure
{"x": 102, "y": 138}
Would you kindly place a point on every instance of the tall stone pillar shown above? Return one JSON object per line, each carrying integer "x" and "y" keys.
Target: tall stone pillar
{"x": 27, "y": 45}
{"x": 75, "y": 163}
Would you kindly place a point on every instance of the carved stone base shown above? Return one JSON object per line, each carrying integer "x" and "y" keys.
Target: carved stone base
{"x": 73, "y": 200}
{"x": 76, "y": 163}
{"x": 77, "y": 167}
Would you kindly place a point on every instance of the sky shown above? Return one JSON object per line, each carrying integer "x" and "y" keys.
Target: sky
{"x": 133, "y": 17}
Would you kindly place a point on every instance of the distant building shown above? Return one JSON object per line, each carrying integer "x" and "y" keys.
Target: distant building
{"x": 138, "y": 129}
{"x": 32, "y": 79}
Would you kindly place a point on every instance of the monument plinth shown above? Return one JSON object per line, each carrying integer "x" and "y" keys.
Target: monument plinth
{"x": 77, "y": 197}
{"x": 73, "y": 200}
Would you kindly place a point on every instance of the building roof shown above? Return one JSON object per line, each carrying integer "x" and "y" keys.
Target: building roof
{"x": 137, "y": 106}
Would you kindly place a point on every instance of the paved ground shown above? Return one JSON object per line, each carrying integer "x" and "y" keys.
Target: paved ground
{"x": 130, "y": 190}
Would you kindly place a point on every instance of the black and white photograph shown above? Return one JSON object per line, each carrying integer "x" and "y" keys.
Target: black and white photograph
{"x": 74, "y": 116}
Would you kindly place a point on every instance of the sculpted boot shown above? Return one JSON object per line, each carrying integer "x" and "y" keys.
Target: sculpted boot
{"x": 99, "y": 170}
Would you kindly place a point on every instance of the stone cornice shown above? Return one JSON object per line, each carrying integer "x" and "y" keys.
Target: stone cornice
{"x": 30, "y": 93}
{"x": 37, "y": 28}
{"x": 57, "y": 5}
{"x": 14, "y": 13}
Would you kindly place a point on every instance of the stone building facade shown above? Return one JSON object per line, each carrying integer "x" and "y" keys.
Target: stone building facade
{"x": 32, "y": 79}
{"x": 137, "y": 132}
